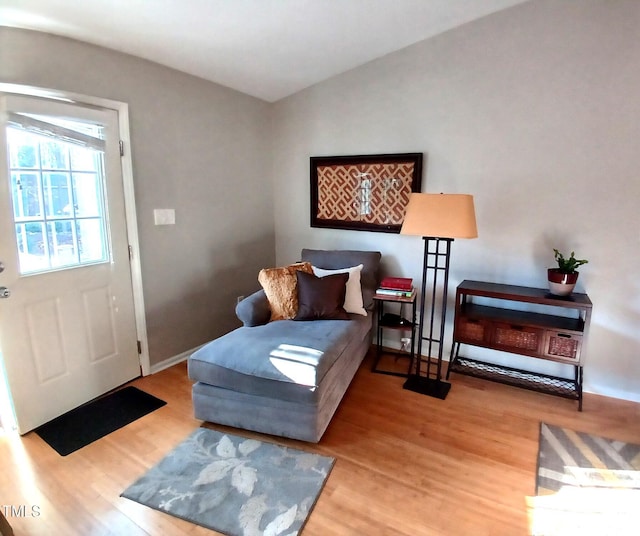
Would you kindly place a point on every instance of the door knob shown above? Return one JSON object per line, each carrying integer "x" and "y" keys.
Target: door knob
{"x": 4, "y": 292}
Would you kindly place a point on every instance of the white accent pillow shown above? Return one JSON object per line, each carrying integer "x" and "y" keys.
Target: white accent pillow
{"x": 353, "y": 302}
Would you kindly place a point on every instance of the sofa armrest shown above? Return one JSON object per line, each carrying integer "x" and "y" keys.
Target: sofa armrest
{"x": 254, "y": 310}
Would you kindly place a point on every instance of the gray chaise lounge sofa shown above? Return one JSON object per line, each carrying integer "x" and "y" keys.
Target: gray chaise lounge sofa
{"x": 285, "y": 377}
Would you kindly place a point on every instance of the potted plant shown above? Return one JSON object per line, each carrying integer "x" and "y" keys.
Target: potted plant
{"x": 562, "y": 279}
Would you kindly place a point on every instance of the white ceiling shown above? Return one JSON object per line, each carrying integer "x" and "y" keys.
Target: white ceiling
{"x": 266, "y": 48}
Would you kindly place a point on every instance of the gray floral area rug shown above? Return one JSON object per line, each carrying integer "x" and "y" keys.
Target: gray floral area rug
{"x": 234, "y": 485}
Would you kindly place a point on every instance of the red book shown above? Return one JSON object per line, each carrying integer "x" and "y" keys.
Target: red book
{"x": 396, "y": 283}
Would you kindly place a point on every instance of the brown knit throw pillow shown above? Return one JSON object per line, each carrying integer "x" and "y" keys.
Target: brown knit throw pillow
{"x": 281, "y": 287}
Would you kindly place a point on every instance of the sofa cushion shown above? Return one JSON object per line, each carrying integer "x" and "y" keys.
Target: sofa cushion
{"x": 281, "y": 287}
{"x": 321, "y": 298}
{"x": 286, "y": 360}
{"x": 353, "y": 297}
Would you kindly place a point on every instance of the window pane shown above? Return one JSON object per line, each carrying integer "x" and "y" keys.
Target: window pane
{"x": 92, "y": 240}
{"x": 23, "y": 151}
{"x": 87, "y": 194}
{"x": 32, "y": 248}
{"x": 25, "y": 188}
{"x": 57, "y": 195}
{"x": 62, "y": 243}
{"x": 53, "y": 155}
{"x": 83, "y": 159}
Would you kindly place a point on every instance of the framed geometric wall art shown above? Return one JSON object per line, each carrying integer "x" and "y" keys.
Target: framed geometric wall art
{"x": 364, "y": 192}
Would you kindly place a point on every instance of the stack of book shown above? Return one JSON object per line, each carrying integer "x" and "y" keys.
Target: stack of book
{"x": 398, "y": 287}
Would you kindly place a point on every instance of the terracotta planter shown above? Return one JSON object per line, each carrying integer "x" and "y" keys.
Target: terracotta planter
{"x": 561, "y": 283}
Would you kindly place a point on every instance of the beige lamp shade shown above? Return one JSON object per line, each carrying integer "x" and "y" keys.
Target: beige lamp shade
{"x": 440, "y": 216}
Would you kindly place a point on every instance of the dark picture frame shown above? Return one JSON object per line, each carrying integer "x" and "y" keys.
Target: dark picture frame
{"x": 363, "y": 192}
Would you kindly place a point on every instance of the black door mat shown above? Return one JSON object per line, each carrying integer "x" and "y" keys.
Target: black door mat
{"x": 85, "y": 424}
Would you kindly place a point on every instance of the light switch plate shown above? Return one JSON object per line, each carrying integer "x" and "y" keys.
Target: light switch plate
{"x": 164, "y": 216}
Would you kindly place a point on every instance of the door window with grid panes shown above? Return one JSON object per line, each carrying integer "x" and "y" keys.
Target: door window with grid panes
{"x": 57, "y": 185}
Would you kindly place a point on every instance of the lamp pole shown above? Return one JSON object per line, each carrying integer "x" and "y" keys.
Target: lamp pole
{"x": 436, "y": 262}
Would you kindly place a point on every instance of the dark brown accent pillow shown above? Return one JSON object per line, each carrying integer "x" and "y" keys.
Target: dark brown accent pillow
{"x": 321, "y": 298}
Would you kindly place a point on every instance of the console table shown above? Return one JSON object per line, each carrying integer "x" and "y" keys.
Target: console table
{"x": 559, "y": 333}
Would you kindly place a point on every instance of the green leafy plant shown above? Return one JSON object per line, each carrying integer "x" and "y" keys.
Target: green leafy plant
{"x": 568, "y": 265}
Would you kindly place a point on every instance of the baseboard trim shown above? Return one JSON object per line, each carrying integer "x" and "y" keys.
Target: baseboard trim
{"x": 170, "y": 361}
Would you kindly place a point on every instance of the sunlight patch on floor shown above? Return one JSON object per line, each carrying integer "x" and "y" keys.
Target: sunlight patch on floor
{"x": 588, "y": 511}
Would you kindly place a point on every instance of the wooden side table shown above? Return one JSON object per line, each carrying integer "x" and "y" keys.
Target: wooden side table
{"x": 397, "y": 322}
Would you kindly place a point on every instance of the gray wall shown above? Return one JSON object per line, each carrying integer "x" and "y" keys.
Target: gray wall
{"x": 534, "y": 110}
{"x": 198, "y": 148}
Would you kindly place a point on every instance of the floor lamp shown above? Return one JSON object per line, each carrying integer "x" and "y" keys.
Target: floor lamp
{"x": 439, "y": 219}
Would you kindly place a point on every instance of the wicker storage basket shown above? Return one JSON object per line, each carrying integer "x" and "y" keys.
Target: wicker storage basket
{"x": 516, "y": 337}
{"x": 565, "y": 345}
{"x": 471, "y": 330}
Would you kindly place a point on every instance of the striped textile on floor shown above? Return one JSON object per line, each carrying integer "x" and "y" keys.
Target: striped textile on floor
{"x": 568, "y": 458}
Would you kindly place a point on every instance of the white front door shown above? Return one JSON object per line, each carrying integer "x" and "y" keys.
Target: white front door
{"x": 67, "y": 321}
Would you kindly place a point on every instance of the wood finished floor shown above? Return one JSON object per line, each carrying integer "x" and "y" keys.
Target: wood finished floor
{"x": 407, "y": 464}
